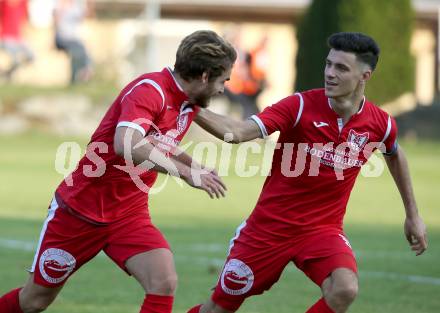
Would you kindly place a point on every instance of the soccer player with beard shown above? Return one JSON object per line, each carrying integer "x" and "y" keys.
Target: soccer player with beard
{"x": 326, "y": 135}
{"x": 103, "y": 204}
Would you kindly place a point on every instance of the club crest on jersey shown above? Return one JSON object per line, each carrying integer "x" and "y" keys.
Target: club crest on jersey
{"x": 56, "y": 265}
{"x": 182, "y": 122}
{"x": 237, "y": 278}
{"x": 357, "y": 141}
{"x": 182, "y": 119}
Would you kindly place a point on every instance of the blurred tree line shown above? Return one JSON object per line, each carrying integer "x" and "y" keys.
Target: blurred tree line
{"x": 389, "y": 22}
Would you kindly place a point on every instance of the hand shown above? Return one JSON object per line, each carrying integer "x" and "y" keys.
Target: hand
{"x": 415, "y": 232}
{"x": 207, "y": 180}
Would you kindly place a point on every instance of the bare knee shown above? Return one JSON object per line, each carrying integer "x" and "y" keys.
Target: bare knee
{"x": 155, "y": 271}
{"x": 211, "y": 307}
{"x": 218, "y": 309}
{"x": 35, "y": 305}
{"x": 340, "y": 289}
{"x": 165, "y": 285}
{"x": 343, "y": 294}
{"x": 34, "y": 298}
{"x": 34, "y": 302}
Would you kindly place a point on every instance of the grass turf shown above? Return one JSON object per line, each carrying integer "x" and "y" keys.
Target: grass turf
{"x": 392, "y": 279}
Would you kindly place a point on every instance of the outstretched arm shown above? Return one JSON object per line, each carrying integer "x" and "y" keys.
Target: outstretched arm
{"x": 138, "y": 151}
{"x": 226, "y": 128}
{"x": 181, "y": 156}
{"x": 415, "y": 229}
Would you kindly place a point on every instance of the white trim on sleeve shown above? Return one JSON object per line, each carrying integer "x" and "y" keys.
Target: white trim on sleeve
{"x": 301, "y": 108}
{"x": 132, "y": 125}
{"x": 388, "y": 131}
{"x": 260, "y": 124}
{"x": 362, "y": 105}
{"x": 152, "y": 83}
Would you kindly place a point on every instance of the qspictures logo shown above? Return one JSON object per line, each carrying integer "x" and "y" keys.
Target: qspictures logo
{"x": 309, "y": 157}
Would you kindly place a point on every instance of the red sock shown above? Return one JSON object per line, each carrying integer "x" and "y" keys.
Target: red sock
{"x": 9, "y": 302}
{"x": 320, "y": 307}
{"x": 156, "y": 304}
{"x": 195, "y": 309}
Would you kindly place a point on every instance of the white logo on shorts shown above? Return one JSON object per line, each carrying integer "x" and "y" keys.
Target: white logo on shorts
{"x": 237, "y": 278}
{"x": 56, "y": 265}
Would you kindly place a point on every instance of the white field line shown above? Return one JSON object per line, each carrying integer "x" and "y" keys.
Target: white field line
{"x": 218, "y": 262}
{"x": 370, "y": 254}
{"x": 18, "y": 244}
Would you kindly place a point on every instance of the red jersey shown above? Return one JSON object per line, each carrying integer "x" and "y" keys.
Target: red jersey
{"x": 101, "y": 188}
{"x": 316, "y": 161}
{"x": 12, "y": 15}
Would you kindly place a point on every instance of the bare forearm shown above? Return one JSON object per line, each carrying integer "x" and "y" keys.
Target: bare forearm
{"x": 414, "y": 228}
{"x": 226, "y": 128}
{"x": 184, "y": 158}
{"x": 138, "y": 151}
{"x": 398, "y": 167}
{"x": 141, "y": 155}
{"x": 154, "y": 159}
{"x": 218, "y": 125}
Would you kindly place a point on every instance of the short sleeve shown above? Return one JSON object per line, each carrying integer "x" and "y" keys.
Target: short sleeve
{"x": 140, "y": 107}
{"x": 280, "y": 116}
{"x": 390, "y": 137}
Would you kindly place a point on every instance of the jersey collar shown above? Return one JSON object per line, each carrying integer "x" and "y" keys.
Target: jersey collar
{"x": 357, "y": 113}
{"x": 183, "y": 106}
{"x": 174, "y": 79}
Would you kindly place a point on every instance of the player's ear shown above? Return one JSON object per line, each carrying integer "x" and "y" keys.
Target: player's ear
{"x": 205, "y": 77}
{"x": 366, "y": 75}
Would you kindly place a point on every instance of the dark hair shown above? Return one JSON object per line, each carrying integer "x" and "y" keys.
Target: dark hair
{"x": 363, "y": 46}
{"x": 204, "y": 51}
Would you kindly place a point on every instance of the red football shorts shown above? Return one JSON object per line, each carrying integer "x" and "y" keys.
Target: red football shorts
{"x": 68, "y": 241}
{"x": 254, "y": 263}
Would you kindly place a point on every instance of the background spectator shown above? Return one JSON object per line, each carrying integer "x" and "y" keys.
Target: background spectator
{"x": 248, "y": 77}
{"x": 13, "y": 15}
{"x": 68, "y": 16}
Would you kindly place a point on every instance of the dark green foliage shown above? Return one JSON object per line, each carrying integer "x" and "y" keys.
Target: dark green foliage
{"x": 320, "y": 21}
{"x": 389, "y": 22}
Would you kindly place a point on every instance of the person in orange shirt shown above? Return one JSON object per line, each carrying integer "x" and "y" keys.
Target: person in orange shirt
{"x": 248, "y": 78}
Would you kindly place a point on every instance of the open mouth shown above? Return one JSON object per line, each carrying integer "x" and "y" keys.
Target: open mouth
{"x": 330, "y": 84}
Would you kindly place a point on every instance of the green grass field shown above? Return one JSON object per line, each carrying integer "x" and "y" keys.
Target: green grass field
{"x": 392, "y": 279}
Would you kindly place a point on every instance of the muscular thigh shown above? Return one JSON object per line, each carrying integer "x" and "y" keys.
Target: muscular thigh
{"x": 34, "y": 292}
{"x": 140, "y": 249}
{"x": 152, "y": 267}
{"x": 133, "y": 236}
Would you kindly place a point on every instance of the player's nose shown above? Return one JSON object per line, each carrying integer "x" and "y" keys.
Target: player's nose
{"x": 329, "y": 72}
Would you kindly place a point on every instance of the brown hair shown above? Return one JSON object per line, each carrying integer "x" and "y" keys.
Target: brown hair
{"x": 204, "y": 51}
